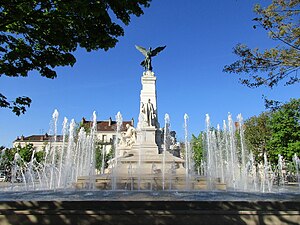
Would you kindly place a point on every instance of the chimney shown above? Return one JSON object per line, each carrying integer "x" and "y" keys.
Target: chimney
{"x": 132, "y": 122}
{"x": 109, "y": 121}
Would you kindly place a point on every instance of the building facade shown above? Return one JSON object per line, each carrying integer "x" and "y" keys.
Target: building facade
{"x": 105, "y": 135}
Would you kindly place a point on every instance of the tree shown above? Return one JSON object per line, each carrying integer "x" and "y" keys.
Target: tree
{"x": 26, "y": 152}
{"x": 7, "y": 157}
{"x": 281, "y": 63}
{"x": 98, "y": 155}
{"x": 285, "y": 131}
{"x": 257, "y": 135}
{"x": 42, "y": 34}
{"x": 198, "y": 149}
{"x": 275, "y": 132}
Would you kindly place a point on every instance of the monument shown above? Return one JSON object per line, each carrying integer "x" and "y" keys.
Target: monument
{"x": 147, "y": 156}
{"x": 143, "y": 160}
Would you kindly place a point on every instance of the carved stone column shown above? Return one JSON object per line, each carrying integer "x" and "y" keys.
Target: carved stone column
{"x": 147, "y": 128}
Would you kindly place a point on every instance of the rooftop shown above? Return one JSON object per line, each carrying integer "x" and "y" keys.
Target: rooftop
{"x": 102, "y": 126}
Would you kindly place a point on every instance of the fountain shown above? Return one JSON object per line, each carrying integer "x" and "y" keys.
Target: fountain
{"x": 144, "y": 156}
{"x": 146, "y": 180}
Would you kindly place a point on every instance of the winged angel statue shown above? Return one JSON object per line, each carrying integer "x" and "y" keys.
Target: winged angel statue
{"x": 146, "y": 63}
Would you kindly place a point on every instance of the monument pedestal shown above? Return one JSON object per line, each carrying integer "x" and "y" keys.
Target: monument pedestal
{"x": 146, "y": 139}
{"x": 148, "y": 88}
{"x": 148, "y": 97}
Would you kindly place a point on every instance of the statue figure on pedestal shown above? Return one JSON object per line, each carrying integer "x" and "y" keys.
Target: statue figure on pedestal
{"x": 149, "y": 112}
{"x": 146, "y": 63}
{"x": 128, "y": 137}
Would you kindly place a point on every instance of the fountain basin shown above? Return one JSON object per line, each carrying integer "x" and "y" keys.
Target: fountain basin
{"x": 131, "y": 207}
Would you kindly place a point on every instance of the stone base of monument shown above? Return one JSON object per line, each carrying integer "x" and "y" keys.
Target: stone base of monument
{"x": 94, "y": 208}
{"x": 142, "y": 168}
{"x": 146, "y": 182}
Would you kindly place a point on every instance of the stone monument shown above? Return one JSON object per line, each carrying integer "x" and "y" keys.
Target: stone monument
{"x": 141, "y": 153}
{"x": 143, "y": 160}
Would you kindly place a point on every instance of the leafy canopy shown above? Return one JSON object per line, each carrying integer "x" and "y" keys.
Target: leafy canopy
{"x": 257, "y": 134}
{"x": 42, "y": 34}
{"x": 285, "y": 131}
{"x": 198, "y": 148}
{"x": 27, "y": 153}
{"x": 275, "y": 132}
{"x": 268, "y": 67}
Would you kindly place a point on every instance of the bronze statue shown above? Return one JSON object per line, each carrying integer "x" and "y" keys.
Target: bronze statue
{"x": 146, "y": 63}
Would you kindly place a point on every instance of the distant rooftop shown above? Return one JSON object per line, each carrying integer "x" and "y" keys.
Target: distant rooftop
{"x": 107, "y": 125}
{"x": 102, "y": 126}
{"x": 39, "y": 138}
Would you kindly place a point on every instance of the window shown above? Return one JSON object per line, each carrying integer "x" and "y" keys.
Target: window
{"x": 104, "y": 138}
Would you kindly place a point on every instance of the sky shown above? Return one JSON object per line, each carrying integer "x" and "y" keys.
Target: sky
{"x": 199, "y": 35}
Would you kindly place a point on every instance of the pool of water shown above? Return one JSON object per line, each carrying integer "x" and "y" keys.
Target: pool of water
{"x": 90, "y": 195}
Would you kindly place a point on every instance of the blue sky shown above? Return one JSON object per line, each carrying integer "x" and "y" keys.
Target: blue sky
{"x": 199, "y": 36}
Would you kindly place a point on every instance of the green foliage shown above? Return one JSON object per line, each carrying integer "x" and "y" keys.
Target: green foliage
{"x": 25, "y": 152}
{"x": 42, "y": 34}
{"x": 272, "y": 105}
{"x": 107, "y": 157}
{"x": 281, "y": 63}
{"x": 198, "y": 148}
{"x": 8, "y": 155}
{"x": 18, "y": 106}
{"x": 85, "y": 126}
{"x": 285, "y": 129}
{"x": 275, "y": 132}
{"x": 39, "y": 156}
{"x": 7, "y": 158}
{"x": 257, "y": 134}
